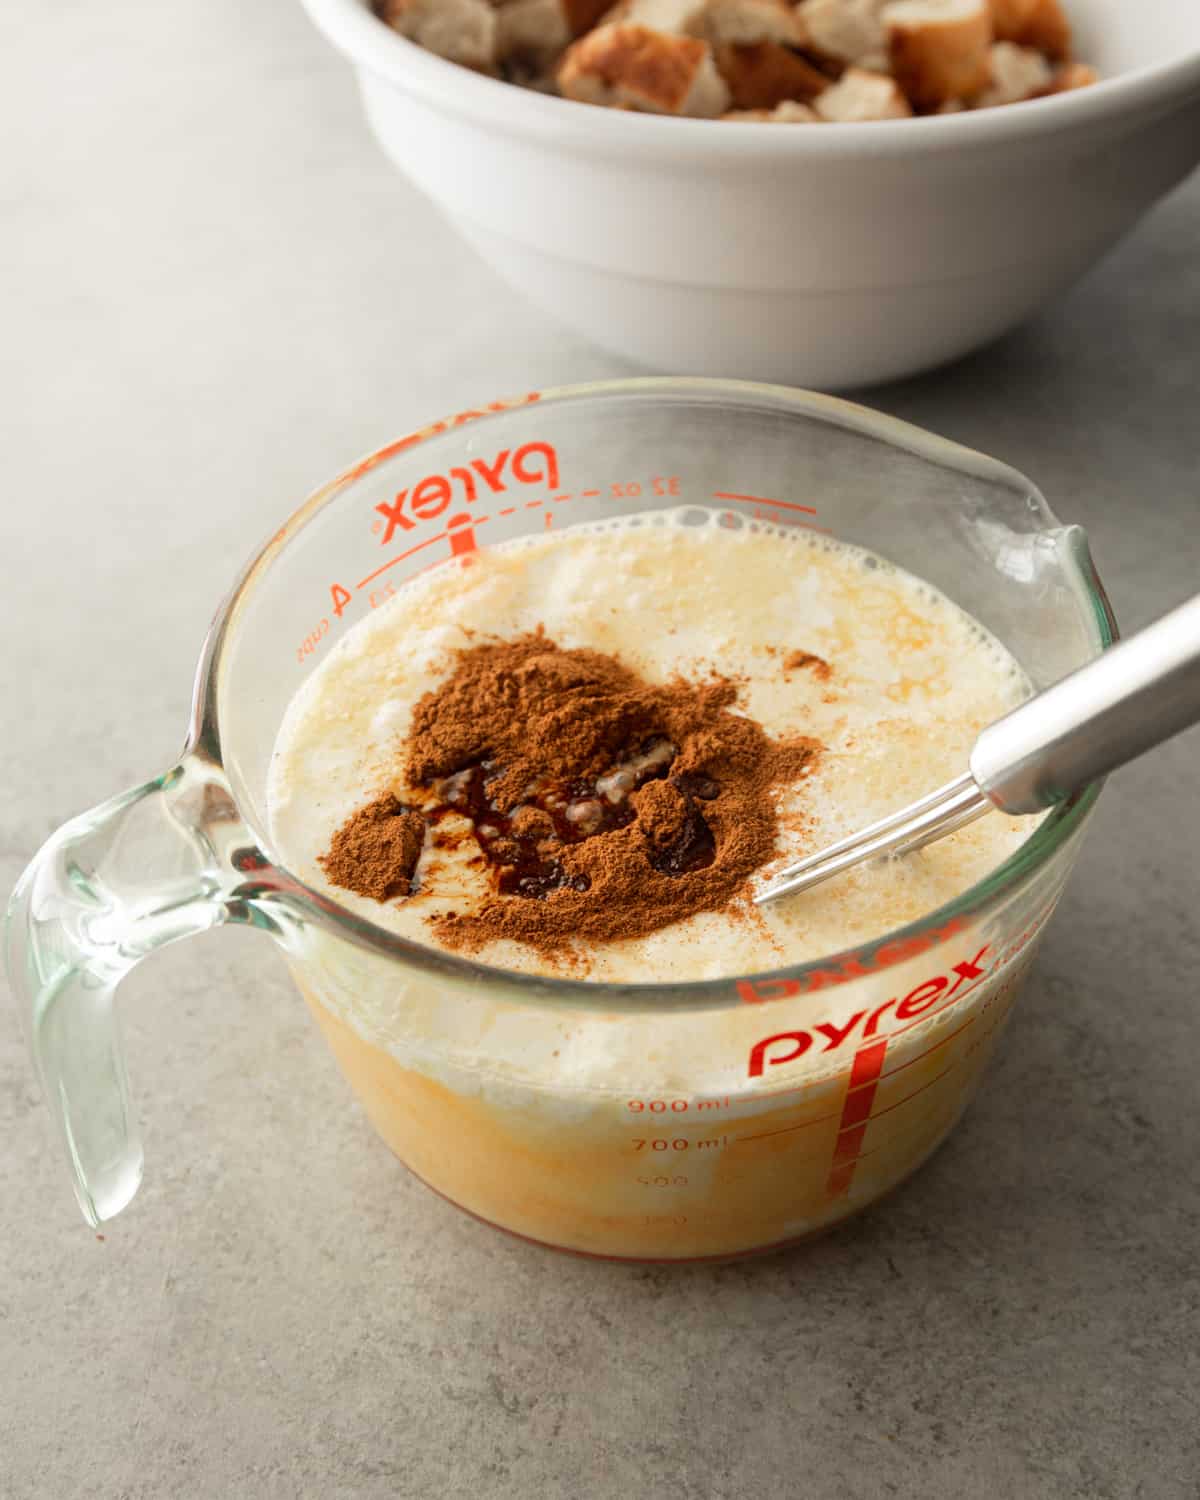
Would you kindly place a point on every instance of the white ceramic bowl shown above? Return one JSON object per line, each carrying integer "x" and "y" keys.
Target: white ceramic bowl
{"x": 826, "y": 256}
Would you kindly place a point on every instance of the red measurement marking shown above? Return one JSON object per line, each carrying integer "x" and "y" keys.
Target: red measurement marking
{"x": 476, "y": 521}
{"x": 428, "y": 567}
{"x": 809, "y": 510}
{"x": 849, "y": 1145}
{"x": 941, "y": 1042}
{"x": 588, "y": 494}
{"x": 868, "y": 1064}
{"x": 924, "y": 1119}
{"x": 901, "y": 1134}
{"x": 857, "y": 1109}
{"x": 786, "y": 1130}
{"x": 860, "y": 1093}
{"x": 848, "y": 1151}
{"x": 559, "y": 498}
{"x": 937, "y": 1078}
{"x": 839, "y": 1180}
{"x": 532, "y": 504}
{"x": 509, "y": 510}
{"x": 461, "y": 531}
{"x": 428, "y": 542}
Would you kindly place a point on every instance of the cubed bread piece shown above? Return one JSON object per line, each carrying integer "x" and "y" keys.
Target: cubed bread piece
{"x": 713, "y": 21}
{"x": 582, "y": 15}
{"x": 848, "y": 31}
{"x": 938, "y": 48}
{"x": 1010, "y": 18}
{"x": 764, "y": 74}
{"x": 1072, "y": 75}
{"x": 1017, "y": 73}
{"x": 535, "y": 33}
{"x": 674, "y": 17}
{"x": 1040, "y": 24}
{"x": 745, "y": 22}
{"x": 861, "y": 95}
{"x": 1049, "y": 31}
{"x": 632, "y": 67}
{"x": 464, "y": 31}
{"x": 531, "y": 32}
{"x": 787, "y": 113}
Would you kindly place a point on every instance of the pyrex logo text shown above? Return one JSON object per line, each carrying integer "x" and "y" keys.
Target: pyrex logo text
{"x": 787, "y": 1046}
{"x": 532, "y": 463}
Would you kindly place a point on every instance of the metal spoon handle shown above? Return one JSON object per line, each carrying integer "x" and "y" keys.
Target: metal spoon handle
{"x": 1133, "y": 697}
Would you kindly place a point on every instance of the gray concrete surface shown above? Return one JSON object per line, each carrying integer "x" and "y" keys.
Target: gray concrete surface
{"x": 215, "y": 292}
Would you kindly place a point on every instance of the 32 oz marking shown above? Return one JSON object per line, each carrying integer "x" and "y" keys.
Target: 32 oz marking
{"x": 634, "y": 489}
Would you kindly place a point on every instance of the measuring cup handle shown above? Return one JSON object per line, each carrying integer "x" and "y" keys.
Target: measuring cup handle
{"x": 138, "y": 872}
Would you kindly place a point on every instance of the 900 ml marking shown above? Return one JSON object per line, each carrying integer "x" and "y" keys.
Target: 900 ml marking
{"x": 674, "y": 1106}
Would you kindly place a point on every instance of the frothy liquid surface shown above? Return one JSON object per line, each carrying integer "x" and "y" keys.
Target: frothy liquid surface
{"x": 911, "y": 680}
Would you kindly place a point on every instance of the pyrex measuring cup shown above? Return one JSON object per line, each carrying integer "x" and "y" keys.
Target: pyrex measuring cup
{"x": 644, "y": 1120}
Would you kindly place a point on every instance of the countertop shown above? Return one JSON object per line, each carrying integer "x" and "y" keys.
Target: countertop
{"x": 215, "y": 291}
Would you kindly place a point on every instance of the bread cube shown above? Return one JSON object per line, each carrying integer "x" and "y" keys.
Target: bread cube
{"x": 674, "y": 17}
{"x": 847, "y": 31}
{"x": 462, "y": 31}
{"x": 1040, "y": 24}
{"x": 626, "y": 66}
{"x": 764, "y": 74}
{"x": 535, "y": 33}
{"x": 1049, "y": 31}
{"x": 1073, "y": 75}
{"x": 1018, "y": 73}
{"x": 746, "y": 22}
{"x": 938, "y": 48}
{"x": 713, "y": 21}
{"x": 861, "y": 95}
{"x": 1009, "y": 18}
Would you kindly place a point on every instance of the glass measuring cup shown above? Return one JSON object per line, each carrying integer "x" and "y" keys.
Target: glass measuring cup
{"x": 648, "y": 1121}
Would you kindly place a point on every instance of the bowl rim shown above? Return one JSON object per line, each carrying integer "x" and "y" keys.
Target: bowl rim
{"x": 352, "y": 26}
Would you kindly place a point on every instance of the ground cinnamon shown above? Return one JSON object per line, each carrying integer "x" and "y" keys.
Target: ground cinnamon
{"x": 375, "y": 852}
{"x": 607, "y": 806}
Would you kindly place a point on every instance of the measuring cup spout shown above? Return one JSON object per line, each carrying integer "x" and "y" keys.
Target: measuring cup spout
{"x": 110, "y": 887}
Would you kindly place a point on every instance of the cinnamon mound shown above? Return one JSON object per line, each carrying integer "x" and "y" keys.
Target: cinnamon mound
{"x": 607, "y": 807}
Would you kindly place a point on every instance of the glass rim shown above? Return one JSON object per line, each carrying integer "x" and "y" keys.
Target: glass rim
{"x": 1056, "y": 828}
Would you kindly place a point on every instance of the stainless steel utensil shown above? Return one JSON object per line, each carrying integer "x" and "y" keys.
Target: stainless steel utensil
{"x": 1133, "y": 697}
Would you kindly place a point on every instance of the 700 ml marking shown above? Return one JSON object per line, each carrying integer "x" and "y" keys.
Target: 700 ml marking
{"x": 680, "y": 1143}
